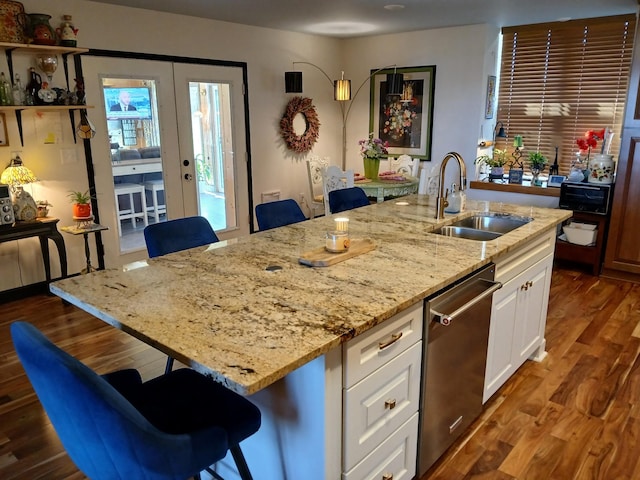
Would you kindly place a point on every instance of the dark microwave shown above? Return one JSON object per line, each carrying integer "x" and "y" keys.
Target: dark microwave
{"x": 586, "y": 197}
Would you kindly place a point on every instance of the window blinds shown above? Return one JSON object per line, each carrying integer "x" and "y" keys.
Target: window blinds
{"x": 559, "y": 80}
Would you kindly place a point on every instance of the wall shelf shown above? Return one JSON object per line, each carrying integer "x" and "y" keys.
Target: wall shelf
{"x": 31, "y": 49}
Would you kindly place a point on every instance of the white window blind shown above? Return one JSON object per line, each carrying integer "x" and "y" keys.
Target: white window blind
{"x": 559, "y": 80}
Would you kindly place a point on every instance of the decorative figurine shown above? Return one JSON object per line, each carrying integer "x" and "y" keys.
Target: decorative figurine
{"x": 67, "y": 33}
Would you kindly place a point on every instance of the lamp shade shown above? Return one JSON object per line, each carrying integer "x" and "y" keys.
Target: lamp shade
{"x": 17, "y": 174}
{"x": 342, "y": 90}
{"x": 395, "y": 83}
{"x": 293, "y": 82}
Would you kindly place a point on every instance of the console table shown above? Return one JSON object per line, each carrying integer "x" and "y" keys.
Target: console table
{"x": 45, "y": 229}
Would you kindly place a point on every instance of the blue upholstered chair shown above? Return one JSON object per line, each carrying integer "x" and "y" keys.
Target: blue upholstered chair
{"x": 175, "y": 235}
{"x": 278, "y": 214}
{"x": 179, "y": 234}
{"x": 346, "y": 199}
{"x": 117, "y": 427}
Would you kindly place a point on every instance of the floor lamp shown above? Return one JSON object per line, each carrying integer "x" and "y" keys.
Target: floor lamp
{"x": 342, "y": 93}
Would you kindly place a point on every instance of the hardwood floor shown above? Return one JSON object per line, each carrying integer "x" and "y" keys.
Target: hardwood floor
{"x": 574, "y": 415}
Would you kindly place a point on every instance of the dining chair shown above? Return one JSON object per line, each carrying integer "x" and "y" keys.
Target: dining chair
{"x": 429, "y": 180}
{"x": 315, "y": 168}
{"x": 347, "y": 199}
{"x": 335, "y": 179}
{"x": 175, "y": 235}
{"x": 116, "y": 426}
{"x": 178, "y": 234}
{"x": 278, "y": 214}
{"x": 405, "y": 164}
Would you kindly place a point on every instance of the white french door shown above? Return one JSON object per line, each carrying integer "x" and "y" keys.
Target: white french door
{"x": 212, "y": 146}
{"x": 182, "y": 146}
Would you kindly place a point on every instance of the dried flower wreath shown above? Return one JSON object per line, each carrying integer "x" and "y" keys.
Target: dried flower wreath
{"x": 304, "y": 142}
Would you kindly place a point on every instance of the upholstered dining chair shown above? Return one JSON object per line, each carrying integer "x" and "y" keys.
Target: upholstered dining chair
{"x": 405, "y": 164}
{"x": 175, "y": 235}
{"x": 315, "y": 169}
{"x": 335, "y": 179}
{"x": 347, "y": 199}
{"x": 115, "y": 426}
{"x": 278, "y": 214}
{"x": 178, "y": 234}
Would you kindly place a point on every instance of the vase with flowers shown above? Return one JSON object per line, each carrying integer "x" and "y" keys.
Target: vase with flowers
{"x": 600, "y": 166}
{"x": 372, "y": 150}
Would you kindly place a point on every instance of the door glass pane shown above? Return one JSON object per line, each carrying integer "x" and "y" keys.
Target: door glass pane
{"x": 212, "y": 147}
{"x": 131, "y": 109}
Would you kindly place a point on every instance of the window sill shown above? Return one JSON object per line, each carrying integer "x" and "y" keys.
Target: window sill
{"x": 512, "y": 188}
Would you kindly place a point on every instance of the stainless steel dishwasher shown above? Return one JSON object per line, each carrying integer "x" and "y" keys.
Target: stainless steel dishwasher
{"x": 457, "y": 326}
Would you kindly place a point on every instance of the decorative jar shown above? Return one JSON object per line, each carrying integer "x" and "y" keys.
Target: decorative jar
{"x": 601, "y": 168}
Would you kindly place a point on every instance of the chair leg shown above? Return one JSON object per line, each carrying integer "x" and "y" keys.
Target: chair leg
{"x": 169, "y": 366}
{"x": 241, "y": 463}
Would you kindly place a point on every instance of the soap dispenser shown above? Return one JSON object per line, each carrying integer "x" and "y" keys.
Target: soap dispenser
{"x": 454, "y": 200}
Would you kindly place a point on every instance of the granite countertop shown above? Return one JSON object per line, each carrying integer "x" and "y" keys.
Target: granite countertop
{"x": 222, "y": 311}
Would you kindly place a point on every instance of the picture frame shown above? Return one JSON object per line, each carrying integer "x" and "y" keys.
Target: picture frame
{"x": 4, "y": 136}
{"x": 404, "y": 121}
{"x": 491, "y": 97}
{"x": 515, "y": 176}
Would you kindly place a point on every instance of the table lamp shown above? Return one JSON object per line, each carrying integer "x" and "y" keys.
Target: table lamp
{"x": 16, "y": 175}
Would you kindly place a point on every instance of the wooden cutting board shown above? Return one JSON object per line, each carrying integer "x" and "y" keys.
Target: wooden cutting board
{"x": 321, "y": 258}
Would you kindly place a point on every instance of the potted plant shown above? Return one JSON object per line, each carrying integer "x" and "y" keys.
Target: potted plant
{"x": 496, "y": 162}
{"x": 81, "y": 203}
{"x": 537, "y": 162}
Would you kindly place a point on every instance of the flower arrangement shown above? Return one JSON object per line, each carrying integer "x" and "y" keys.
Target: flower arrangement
{"x": 590, "y": 140}
{"x": 373, "y": 148}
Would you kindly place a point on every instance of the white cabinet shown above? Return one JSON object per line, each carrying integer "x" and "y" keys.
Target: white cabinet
{"x": 381, "y": 398}
{"x": 519, "y": 311}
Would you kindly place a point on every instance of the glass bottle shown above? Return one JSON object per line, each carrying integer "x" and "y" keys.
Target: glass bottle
{"x": 33, "y": 87}
{"x": 18, "y": 92}
{"x": 6, "y": 96}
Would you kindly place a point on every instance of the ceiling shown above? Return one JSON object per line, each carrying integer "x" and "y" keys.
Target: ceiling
{"x": 353, "y": 18}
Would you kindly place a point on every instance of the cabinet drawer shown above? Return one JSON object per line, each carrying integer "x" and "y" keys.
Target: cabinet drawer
{"x": 369, "y": 351}
{"x": 396, "y": 456}
{"x": 375, "y": 407}
{"x": 517, "y": 261}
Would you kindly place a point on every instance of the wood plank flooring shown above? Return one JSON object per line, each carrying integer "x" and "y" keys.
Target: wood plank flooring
{"x": 576, "y": 415}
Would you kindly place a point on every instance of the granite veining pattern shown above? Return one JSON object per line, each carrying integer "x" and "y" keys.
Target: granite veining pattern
{"x": 221, "y": 311}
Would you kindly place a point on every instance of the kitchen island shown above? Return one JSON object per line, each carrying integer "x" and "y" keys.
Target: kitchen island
{"x": 247, "y": 313}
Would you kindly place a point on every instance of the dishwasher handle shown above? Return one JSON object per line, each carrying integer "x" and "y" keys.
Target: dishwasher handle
{"x": 446, "y": 318}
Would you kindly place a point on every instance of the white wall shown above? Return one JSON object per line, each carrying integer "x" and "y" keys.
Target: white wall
{"x": 463, "y": 56}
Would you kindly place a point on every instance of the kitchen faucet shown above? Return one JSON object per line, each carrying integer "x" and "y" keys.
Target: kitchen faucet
{"x": 441, "y": 201}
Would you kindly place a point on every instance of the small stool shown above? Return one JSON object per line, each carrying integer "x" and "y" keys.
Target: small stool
{"x": 158, "y": 206}
{"x": 130, "y": 189}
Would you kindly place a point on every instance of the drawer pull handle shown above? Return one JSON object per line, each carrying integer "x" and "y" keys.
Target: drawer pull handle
{"x": 387, "y": 476}
{"x": 394, "y": 338}
{"x": 390, "y": 404}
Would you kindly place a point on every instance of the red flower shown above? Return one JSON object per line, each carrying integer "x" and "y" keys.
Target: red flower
{"x": 590, "y": 139}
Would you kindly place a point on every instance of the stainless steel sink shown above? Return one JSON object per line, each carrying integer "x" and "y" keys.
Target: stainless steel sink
{"x": 498, "y": 223}
{"x": 483, "y": 227}
{"x": 468, "y": 233}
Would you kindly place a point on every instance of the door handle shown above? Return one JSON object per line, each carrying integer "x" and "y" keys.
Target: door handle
{"x": 188, "y": 176}
{"x": 446, "y": 318}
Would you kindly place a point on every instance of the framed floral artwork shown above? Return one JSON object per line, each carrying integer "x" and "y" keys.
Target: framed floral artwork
{"x": 404, "y": 121}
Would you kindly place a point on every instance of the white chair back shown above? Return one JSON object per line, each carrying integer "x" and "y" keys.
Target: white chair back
{"x": 405, "y": 164}
{"x": 429, "y": 180}
{"x": 334, "y": 179}
{"x": 315, "y": 171}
